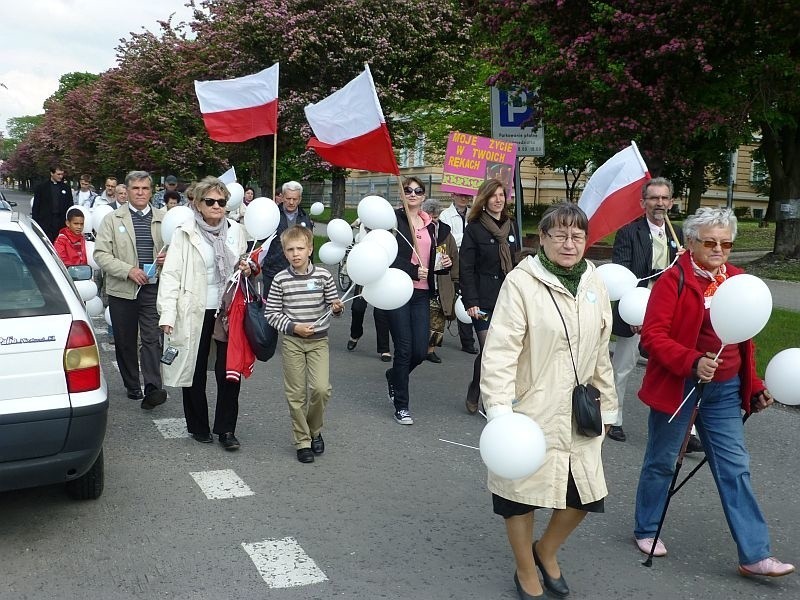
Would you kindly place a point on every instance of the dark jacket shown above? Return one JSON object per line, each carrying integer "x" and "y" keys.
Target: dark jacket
{"x": 404, "y": 251}
{"x": 48, "y": 214}
{"x": 274, "y": 260}
{"x": 479, "y": 272}
{"x": 633, "y": 248}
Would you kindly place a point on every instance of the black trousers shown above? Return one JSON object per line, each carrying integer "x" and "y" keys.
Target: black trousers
{"x": 359, "y": 309}
{"x": 134, "y": 321}
{"x": 195, "y": 401}
{"x": 465, "y": 334}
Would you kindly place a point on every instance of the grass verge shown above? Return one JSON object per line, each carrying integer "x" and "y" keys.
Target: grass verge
{"x": 781, "y": 332}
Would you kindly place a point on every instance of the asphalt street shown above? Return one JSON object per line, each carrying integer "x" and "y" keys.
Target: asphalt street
{"x": 388, "y": 511}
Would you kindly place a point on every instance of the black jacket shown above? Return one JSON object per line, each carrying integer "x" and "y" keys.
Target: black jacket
{"x": 633, "y": 248}
{"x": 274, "y": 260}
{"x": 479, "y": 272}
{"x": 49, "y": 215}
{"x": 404, "y": 251}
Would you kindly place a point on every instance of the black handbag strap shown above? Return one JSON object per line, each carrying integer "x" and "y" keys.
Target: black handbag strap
{"x": 566, "y": 332}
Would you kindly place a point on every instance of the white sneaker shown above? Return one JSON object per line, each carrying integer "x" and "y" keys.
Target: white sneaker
{"x": 403, "y": 417}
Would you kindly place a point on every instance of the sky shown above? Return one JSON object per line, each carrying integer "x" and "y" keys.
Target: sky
{"x": 40, "y": 40}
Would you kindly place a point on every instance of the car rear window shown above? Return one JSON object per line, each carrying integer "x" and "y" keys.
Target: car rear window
{"x": 27, "y": 287}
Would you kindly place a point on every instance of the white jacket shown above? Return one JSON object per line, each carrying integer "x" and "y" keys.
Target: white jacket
{"x": 450, "y": 216}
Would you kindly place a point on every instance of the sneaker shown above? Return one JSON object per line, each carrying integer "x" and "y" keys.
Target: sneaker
{"x": 694, "y": 445}
{"x": 616, "y": 433}
{"x": 390, "y": 385}
{"x": 768, "y": 567}
{"x": 645, "y": 544}
{"x": 403, "y": 417}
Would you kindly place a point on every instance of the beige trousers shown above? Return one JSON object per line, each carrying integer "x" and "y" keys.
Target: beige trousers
{"x": 307, "y": 384}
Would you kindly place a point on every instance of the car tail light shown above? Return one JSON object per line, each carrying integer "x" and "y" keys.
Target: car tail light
{"x": 81, "y": 359}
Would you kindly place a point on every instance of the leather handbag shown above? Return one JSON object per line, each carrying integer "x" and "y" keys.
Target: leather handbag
{"x": 585, "y": 397}
{"x": 262, "y": 337}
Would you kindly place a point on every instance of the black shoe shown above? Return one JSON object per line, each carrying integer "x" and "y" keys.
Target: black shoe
{"x": 305, "y": 455}
{"x": 386, "y": 357}
{"x": 557, "y": 587}
{"x": 135, "y": 394}
{"x": 203, "y": 438}
{"x": 351, "y": 344}
{"x": 432, "y": 357}
{"x": 694, "y": 445}
{"x": 523, "y": 595}
{"x": 473, "y": 398}
{"x": 229, "y": 441}
{"x": 469, "y": 349}
{"x": 153, "y": 398}
{"x": 318, "y": 444}
{"x": 616, "y": 434}
{"x": 389, "y": 385}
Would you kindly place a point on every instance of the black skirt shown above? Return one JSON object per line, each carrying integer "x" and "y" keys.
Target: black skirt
{"x": 509, "y": 508}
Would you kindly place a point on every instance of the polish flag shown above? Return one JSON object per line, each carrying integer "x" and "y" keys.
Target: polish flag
{"x": 350, "y": 129}
{"x": 612, "y": 197}
{"x": 236, "y": 110}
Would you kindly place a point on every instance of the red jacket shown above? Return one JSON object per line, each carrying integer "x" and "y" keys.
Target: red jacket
{"x": 71, "y": 248}
{"x": 669, "y": 334}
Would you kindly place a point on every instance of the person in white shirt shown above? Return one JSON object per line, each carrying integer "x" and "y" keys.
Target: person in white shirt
{"x": 85, "y": 195}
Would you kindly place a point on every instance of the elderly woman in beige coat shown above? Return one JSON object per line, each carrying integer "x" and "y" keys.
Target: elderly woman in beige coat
{"x": 205, "y": 252}
{"x": 527, "y": 368}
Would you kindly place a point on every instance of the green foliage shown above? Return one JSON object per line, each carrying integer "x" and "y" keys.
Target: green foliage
{"x": 781, "y": 332}
{"x": 68, "y": 82}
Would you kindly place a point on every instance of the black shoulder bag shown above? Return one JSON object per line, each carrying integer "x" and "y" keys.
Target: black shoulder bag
{"x": 585, "y": 398}
{"x": 262, "y": 337}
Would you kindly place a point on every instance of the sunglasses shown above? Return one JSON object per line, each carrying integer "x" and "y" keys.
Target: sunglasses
{"x": 213, "y": 201}
{"x": 710, "y": 244}
{"x": 417, "y": 191}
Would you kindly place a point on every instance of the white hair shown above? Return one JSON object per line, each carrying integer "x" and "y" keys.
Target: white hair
{"x": 292, "y": 186}
{"x": 709, "y": 217}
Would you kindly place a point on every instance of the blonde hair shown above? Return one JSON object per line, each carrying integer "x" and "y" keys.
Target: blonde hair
{"x": 295, "y": 233}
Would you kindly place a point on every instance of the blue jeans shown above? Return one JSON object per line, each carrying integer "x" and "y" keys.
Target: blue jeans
{"x": 719, "y": 425}
{"x": 410, "y": 327}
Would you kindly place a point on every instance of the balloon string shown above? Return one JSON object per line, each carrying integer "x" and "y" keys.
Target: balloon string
{"x": 657, "y": 273}
{"x": 350, "y": 289}
{"x": 411, "y": 245}
{"x": 330, "y": 310}
{"x": 691, "y": 391}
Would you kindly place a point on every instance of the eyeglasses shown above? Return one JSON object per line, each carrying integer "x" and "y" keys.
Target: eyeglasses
{"x": 561, "y": 239}
{"x": 212, "y": 201}
{"x": 711, "y": 244}
{"x": 665, "y": 198}
{"x": 409, "y": 191}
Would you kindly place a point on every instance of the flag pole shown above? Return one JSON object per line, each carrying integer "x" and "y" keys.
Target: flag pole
{"x": 274, "y": 161}
{"x": 672, "y": 232}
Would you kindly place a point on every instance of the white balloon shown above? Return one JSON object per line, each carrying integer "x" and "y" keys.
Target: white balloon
{"x": 107, "y": 313}
{"x": 262, "y": 218}
{"x": 391, "y": 291}
{"x": 375, "y": 212}
{"x": 385, "y": 240}
{"x": 618, "y": 279}
{"x": 90, "y": 254}
{"x": 171, "y": 221}
{"x": 367, "y": 262}
{"x": 87, "y": 289}
{"x": 740, "y": 308}
{"x": 633, "y": 305}
{"x": 317, "y": 208}
{"x": 98, "y": 214}
{"x": 87, "y": 215}
{"x": 782, "y": 376}
{"x": 340, "y": 232}
{"x": 331, "y": 253}
{"x": 237, "y": 195}
{"x": 512, "y": 446}
{"x": 94, "y": 307}
{"x": 461, "y": 312}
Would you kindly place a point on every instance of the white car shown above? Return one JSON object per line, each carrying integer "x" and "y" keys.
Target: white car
{"x": 53, "y": 394}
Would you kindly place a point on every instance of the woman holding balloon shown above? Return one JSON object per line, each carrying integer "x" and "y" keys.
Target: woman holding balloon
{"x": 691, "y": 352}
{"x": 550, "y": 327}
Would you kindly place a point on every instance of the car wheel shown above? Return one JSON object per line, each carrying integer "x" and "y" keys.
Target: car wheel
{"x": 90, "y": 485}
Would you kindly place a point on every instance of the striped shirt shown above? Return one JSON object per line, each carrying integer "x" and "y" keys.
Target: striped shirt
{"x": 296, "y": 299}
{"x": 144, "y": 235}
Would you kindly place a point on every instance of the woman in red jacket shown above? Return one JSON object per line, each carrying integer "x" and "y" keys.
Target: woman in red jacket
{"x": 70, "y": 245}
{"x": 682, "y": 347}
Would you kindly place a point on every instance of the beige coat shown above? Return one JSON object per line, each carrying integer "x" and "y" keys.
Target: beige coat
{"x": 115, "y": 249}
{"x": 182, "y": 297}
{"x": 527, "y": 366}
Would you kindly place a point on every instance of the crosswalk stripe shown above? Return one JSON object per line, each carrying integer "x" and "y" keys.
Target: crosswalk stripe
{"x": 283, "y": 563}
{"x": 172, "y": 428}
{"x": 217, "y": 485}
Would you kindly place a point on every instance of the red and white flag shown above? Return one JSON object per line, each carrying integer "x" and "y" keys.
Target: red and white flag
{"x": 612, "y": 197}
{"x": 236, "y": 110}
{"x": 350, "y": 130}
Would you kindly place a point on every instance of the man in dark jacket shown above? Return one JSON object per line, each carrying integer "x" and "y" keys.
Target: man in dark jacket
{"x": 643, "y": 246}
{"x": 274, "y": 260}
{"x": 50, "y": 203}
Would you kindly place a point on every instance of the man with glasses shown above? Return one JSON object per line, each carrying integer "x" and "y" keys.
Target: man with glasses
{"x": 645, "y": 247}
{"x": 109, "y": 192}
{"x": 129, "y": 249}
{"x": 292, "y": 213}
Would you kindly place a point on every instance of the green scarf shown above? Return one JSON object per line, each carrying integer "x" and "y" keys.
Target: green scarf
{"x": 569, "y": 277}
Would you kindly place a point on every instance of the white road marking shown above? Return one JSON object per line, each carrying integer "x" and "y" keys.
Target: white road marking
{"x": 172, "y": 428}
{"x": 283, "y": 563}
{"x": 222, "y": 484}
{"x": 457, "y": 444}
{"x": 116, "y": 366}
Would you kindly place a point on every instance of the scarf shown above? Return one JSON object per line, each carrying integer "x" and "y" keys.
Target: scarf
{"x": 570, "y": 278}
{"x": 716, "y": 280}
{"x": 500, "y": 233}
{"x": 224, "y": 259}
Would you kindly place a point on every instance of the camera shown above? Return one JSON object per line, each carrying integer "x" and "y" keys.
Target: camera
{"x": 170, "y": 352}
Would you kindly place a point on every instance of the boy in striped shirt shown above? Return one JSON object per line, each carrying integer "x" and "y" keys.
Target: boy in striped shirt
{"x": 298, "y": 306}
